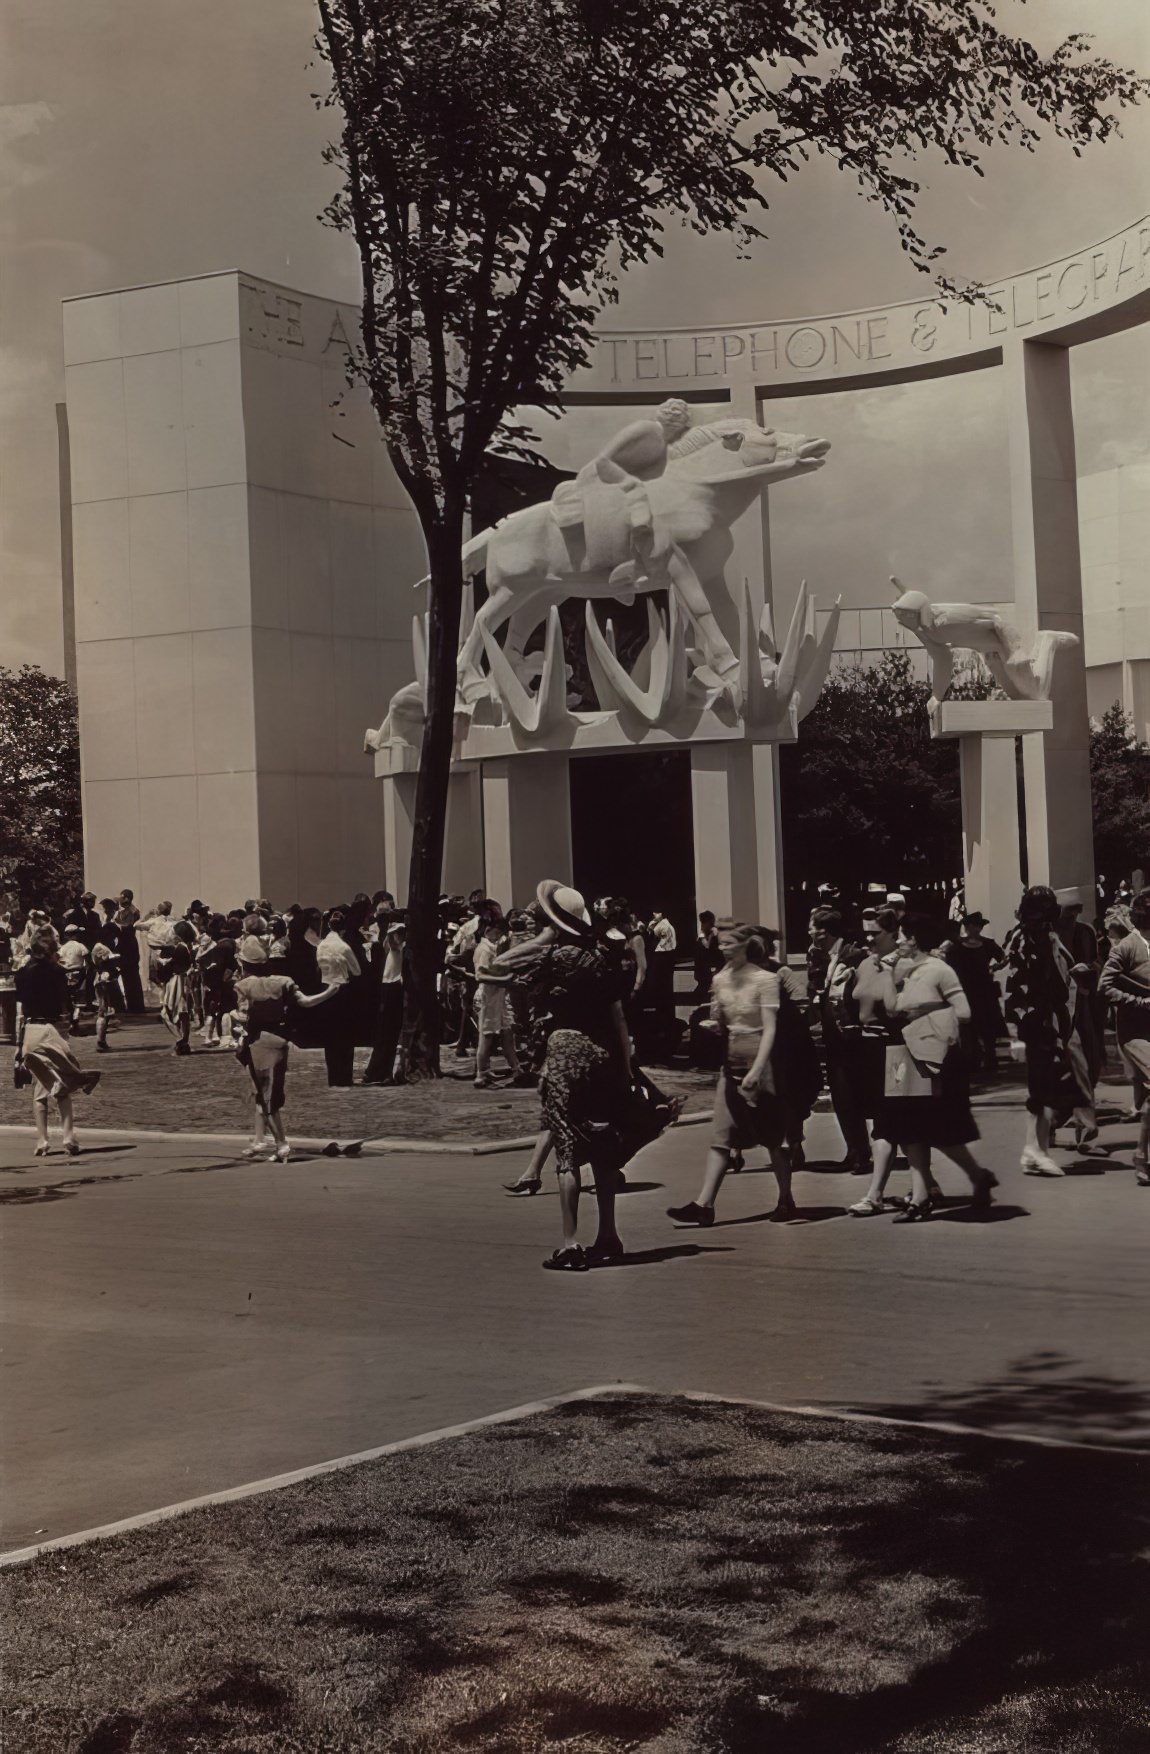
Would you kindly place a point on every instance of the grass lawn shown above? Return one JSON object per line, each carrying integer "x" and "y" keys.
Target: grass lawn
{"x": 143, "y": 1085}
{"x": 628, "y": 1573}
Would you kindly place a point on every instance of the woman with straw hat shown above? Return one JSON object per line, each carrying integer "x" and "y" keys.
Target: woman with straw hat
{"x": 586, "y": 1075}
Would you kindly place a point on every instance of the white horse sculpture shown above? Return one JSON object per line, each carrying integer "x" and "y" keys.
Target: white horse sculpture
{"x": 532, "y": 561}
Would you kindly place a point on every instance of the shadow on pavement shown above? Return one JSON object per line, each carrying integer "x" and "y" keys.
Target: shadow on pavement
{"x": 1044, "y": 1393}
{"x": 649, "y": 1257}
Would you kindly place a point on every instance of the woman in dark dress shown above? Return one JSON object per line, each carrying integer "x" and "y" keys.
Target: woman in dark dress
{"x": 587, "y": 1072}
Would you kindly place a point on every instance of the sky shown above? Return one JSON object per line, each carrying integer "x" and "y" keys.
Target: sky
{"x": 145, "y": 140}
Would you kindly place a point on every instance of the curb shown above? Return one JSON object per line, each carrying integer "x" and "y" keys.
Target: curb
{"x": 381, "y": 1147}
{"x": 509, "y": 1415}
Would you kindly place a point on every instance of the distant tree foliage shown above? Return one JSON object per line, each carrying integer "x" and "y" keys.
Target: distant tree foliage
{"x": 1120, "y": 788}
{"x": 867, "y": 793}
{"x": 41, "y": 845}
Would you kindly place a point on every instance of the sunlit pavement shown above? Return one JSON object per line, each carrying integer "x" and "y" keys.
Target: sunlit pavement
{"x": 177, "y": 1321}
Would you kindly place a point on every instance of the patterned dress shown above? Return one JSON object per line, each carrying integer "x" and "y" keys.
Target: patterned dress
{"x": 584, "y": 1086}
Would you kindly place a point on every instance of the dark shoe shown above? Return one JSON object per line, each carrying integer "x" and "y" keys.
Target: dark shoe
{"x": 524, "y": 1081}
{"x": 529, "y": 1187}
{"x": 568, "y": 1260}
{"x": 982, "y": 1198}
{"x": 181, "y": 1048}
{"x": 783, "y": 1212}
{"x": 601, "y": 1254}
{"x": 735, "y": 1166}
{"x": 692, "y": 1213}
{"x": 102, "y": 1047}
{"x": 912, "y": 1214}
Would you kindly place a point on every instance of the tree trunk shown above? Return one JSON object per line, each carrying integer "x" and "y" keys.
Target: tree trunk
{"x": 422, "y": 1013}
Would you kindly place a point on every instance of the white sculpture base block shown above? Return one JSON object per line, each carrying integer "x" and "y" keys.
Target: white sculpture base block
{"x": 986, "y": 732}
{"x": 509, "y": 823}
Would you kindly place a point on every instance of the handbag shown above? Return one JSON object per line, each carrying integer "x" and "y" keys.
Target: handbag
{"x": 21, "y": 1077}
{"x": 903, "y": 1076}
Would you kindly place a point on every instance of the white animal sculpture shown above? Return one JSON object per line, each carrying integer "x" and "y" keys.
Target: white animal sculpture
{"x": 675, "y": 534}
{"x": 1022, "y": 672}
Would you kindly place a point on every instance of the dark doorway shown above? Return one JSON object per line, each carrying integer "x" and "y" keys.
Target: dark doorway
{"x": 631, "y": 832}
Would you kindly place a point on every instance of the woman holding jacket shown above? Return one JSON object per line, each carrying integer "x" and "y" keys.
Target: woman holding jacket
{"x": 925, "y": 1104}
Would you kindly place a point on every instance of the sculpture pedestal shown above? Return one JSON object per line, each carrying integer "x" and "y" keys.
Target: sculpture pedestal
{"x": 986, "y": 732}
{"x": 463, "y": 835}
{"x": 526, "y": 825}
{"x": 735, "y": 809}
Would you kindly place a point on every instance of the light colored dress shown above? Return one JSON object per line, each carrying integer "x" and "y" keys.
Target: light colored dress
{"x": 490, "y": 998}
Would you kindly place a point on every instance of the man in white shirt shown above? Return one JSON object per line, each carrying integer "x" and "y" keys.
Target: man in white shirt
{"x": 73, "y": 956}
{"x": 380, "y": 1067}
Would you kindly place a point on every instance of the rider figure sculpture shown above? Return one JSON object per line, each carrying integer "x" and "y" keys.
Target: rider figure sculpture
{"x": 635, "y": 455}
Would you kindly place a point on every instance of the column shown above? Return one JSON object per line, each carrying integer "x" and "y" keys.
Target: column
{"x": 734, "y": 793}
{"x": 1048, "y": 595}
{"x": 398, "y": 817}
{"x": 992, "y": 881}
{"x": 526, "y": 825}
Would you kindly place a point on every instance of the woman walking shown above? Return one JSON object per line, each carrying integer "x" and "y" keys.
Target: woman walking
{"x": 264, "y": 1001}
{"x": 587, "y": 1072}
{"x": 1039, "y": 1000}
{"x": 42, "y": 1055}
{"x": 926, "y": 1101}
{"x": 745, "y": 1002}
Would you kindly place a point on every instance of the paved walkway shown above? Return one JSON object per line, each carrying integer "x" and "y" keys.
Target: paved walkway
{"x": 177, "y": 1322}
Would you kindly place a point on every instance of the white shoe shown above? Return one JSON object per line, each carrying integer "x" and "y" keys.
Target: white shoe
{"x": 1038, "y": 1163}
{"x": 257, "y": 1148}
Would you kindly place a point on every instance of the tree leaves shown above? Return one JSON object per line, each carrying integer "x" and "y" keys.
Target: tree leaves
{"x": 505, "y": 159}
{"x": 40, "y": 828}
{"x": 1120, "y": 789}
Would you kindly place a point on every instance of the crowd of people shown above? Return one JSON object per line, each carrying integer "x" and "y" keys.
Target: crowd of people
{"x": 895, "y": 1011}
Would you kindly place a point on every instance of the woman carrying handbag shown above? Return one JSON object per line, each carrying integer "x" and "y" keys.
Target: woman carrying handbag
{"x": 926, "y": 1102}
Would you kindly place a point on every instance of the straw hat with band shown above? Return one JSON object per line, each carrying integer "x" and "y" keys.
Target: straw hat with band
{"x": 564, "y": 907}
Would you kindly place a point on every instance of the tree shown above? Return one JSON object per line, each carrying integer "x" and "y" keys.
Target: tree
{"x": 867, "y": 793}
{"x": 503, "y": 160}
{"x": 41, "y": 851}
{"x": 1120, "y": 790}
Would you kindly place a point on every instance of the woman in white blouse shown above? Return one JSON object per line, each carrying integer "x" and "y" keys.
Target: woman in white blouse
{"x": 926, "y": 1103}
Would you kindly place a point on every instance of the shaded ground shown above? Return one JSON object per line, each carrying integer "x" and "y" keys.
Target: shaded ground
{"x": 631, "y": 1573}
{"x": 144, "y": 1086}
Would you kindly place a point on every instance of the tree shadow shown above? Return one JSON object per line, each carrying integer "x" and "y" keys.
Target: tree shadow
{"x": 1043, "y": 1393}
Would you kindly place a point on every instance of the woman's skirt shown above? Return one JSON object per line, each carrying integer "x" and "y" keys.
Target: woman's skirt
{"x": 53, "y": 1064}
{"x": 174, "y": 1003}
{"x": 943, "y": 1118}
{"x": 266, "y": 1059}
{"x": 742, "y": 1122}
{"x": 582, "y": 1090}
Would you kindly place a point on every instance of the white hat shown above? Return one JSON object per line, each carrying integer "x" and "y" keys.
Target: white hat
{"x": 1069, "y": 897}
{"x": 564, "y": 907}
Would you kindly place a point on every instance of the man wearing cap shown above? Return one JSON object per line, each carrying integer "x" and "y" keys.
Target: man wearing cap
{"x": 841, "y": 1034}
{"x": 976, "y": 960}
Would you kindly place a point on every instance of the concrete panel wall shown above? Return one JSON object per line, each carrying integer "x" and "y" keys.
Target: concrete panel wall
{"x": 245, "y": 560}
